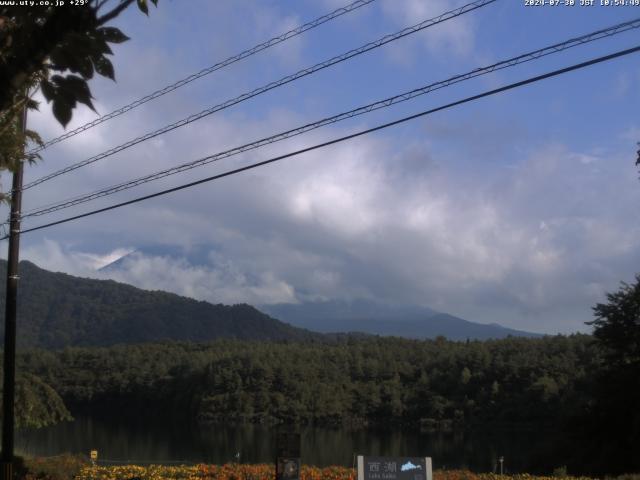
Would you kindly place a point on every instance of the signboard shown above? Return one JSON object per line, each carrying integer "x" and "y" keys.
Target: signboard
{"x": 287, "y": 456}
{"x": 288, "y": 468}
{"x": 394, "y": 468}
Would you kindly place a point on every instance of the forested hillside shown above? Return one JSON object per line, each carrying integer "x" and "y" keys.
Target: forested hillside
{"x": 437, "y": 384}
{"x": 57, "y": 310}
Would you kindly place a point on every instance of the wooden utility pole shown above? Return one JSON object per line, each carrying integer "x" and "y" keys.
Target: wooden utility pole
{"x": 9, "y": 381}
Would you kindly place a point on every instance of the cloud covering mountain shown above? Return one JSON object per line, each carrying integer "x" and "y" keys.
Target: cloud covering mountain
{"x": 517, "y": 210}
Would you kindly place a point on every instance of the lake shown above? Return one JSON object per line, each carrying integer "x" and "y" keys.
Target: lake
{"x": 163, "y": 443}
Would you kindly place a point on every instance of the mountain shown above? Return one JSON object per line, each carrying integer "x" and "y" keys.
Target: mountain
{"x": 380, "y": 319}
{"x": 336, "y": 316}
{"x": 195, "y": 255}
{"x": 57, "y": 310}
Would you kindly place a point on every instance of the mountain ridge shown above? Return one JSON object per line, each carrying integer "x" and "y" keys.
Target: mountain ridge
{"x": 376, "y": 318}
{"x": 63, "y": 310}
{"x": 340, "y": 316}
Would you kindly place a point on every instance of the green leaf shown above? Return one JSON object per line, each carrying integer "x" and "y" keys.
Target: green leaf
{"x": 67, "y": 58}
{"x": 85, "y": 68}
{"x": 78, "y": 42}
{"x": 112, "y": 35}
{"x": 48, "y": 90}
{"x": 73, "y": 89}
{"x": 142, "y": 5}
{"x": 100, "y": 47}
{"x": 104, "y": 67}
{"x": 78, "y": 89}
{"x": 60, "y": 57}
{"x": 62, "y": 90}
{"x": 33, "y": 104}
{"x": 34, "y": 137}
{"x": 62, "y": 111}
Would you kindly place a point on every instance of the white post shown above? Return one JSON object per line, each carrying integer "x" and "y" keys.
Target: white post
{"x": 360, "y": 467}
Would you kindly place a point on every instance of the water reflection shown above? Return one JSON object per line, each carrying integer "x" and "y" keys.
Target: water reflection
{"x": 144, "y": 442}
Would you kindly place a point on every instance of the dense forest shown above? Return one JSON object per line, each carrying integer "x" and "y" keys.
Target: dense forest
{"x": 432, "y": 384}
{"x": 561, "y": 383}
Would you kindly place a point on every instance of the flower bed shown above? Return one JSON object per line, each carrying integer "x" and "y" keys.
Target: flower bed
{"x": 265, "y": 472}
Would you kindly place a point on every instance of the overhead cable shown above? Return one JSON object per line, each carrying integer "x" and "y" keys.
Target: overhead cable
{"x": 387, "y": 102}
{"x": 206, "y": 71}
{"x": 270, "y": 86}
{"x": 342, "y": 139}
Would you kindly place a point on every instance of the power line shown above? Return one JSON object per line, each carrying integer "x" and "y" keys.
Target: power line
{"x": 206, "y": 71}
{"x": 523, "y": 58}
{"x": 344, "y": 138}
{"x": 270, "y": 86}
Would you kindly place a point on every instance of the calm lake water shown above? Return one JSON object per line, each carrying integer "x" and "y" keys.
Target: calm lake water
{"x": 119, "y": 441}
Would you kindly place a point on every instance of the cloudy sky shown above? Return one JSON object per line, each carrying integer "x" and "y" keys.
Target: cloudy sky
{"x": 520, "y": 208}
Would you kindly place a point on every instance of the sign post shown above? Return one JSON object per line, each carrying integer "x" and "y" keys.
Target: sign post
{"x": 394, "y": 468}
{"x": 287, "y": 456}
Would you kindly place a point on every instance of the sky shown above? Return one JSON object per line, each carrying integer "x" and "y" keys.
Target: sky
{"x": 519, "y": 208}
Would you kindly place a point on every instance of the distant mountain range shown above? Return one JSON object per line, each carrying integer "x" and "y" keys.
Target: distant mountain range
{"x": 336, "y": 316}
{"x": 56, "y": 310}
{"x": 380, "y": 319}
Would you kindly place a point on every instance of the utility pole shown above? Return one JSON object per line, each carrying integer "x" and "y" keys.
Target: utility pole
{"x": 9, "y": 381}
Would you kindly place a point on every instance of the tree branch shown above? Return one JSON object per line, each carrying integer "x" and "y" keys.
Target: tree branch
{"x": 115, "y": 12}
{"x": 100, "y": 4}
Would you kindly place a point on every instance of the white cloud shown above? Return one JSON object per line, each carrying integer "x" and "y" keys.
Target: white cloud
{"x": 270, "y": 23}
{"x": 57, "y": 257}
{"x": 632, "y": 133}
{"x": 364, "y": 218}
{"x": 399, "y": 218}
{"x": 225, "y": 284}
{"x": 451, "y": 37}
{"x": 520, "y": 248}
